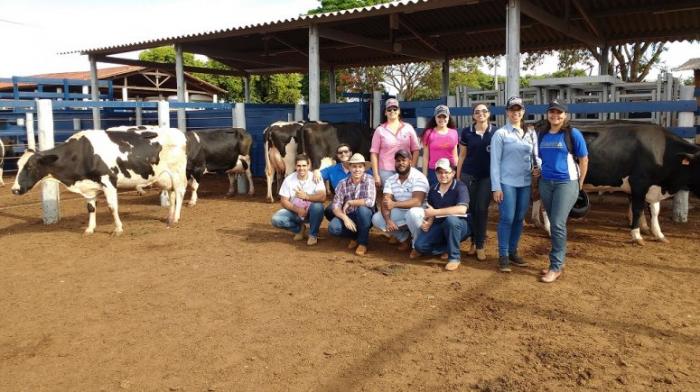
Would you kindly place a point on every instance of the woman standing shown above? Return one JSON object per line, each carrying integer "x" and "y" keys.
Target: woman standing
{"x": 513, "y": 163}
{"x": 439, "y": 141}
{"x": 473, "y": 169}
{"x": 390, "y": 137}
{"x": 561, "y": 180}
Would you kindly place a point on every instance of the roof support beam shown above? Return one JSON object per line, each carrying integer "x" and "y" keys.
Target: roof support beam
{"x": 245, "y": 58}
{"x": 590, "y": 21}
{"x": 558, "y": 24}
{"x": 169, "y": 66}
{"x": 354, "y": 39}
{"x": 420, "y": 38}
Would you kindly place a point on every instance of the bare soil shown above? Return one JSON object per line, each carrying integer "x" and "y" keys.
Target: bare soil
{"x": 225, "y": 302}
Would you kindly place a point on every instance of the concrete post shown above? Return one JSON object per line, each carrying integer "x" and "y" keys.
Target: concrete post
{"x": 331, "y": 85}
{"x": 376, "y": 108}
{"x": 604, "y": 60}
{"x": 512, "y": 48}
{"x": 314, "y": 75}
{"x": 164, "y": 114}
{"x": 76, "y": 124}
{"x": 49, "y": 189}
{"x": 298, "y": 112}
{"x": 246, "y": 89}
{"x": 94, "y": 93}
{"x": 86, "y": 91}
{"x": 445, "y": 77}
{"x": 125, "y": 91}
{"x": 180, "y": 78}
{"x": 139, "y": 113}
{"x": 680, "y": 199}
{"x": 29, "y": 124}
{"x": 239, "y": 109}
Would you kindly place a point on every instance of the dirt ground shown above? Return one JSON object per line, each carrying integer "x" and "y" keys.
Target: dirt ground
{"x": 224, "y": 302}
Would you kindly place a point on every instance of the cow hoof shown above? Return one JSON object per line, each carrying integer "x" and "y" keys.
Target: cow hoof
{"x": 88, "y": 232}
{"x": 663, "y": 239}
{"x": 645, "y": 230}
{"x": 230, "y": 194}
{"x": 251, "y": 193}
{"x": 117, "y": 233}
{"x": 191, "y": 203}
{"x": 639, "y": 242}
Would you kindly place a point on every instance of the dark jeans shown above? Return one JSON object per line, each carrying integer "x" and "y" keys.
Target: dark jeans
{"x": 443, "y": 237}
{"x": 479, "y": 200}
{"x": 328, "y": 211}
{"x": 362, "y": 217}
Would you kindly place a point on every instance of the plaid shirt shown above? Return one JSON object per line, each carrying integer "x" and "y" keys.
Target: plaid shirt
{"x": 347, "y": 190}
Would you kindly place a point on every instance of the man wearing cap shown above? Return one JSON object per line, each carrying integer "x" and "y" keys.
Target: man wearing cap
{"x": 404, "y": 190}
{"x": 514, "y": 162}
{"x": 390, "y": 137}
{"x": 352, "y": 206}
{"x": 302, "y": 202}
{"x": 444, "y": 223}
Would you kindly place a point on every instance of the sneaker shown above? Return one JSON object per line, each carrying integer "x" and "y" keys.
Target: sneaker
{"x": 313, "y": 240}
{"x": 503, "y": 264}
{"x": 517, "y": 260}
{"x": 452, "y": 265}
{"x": 480, "y": 254}
{"x": 414, "y": 254}
{"x": 403, "y": 246}
{"x": 301, "y": 234}
{"x": 352, "y": 244}
{"x": 472, "y": 249}
{"x": 551, "y": 276}
{"x": 361, "y": 250}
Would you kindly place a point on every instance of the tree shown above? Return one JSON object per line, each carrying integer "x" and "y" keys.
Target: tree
{"x": 635, "y": 61}
{"x": 337, "y": 5}
{"x": 406, "y": 78}
{"x": 463, "y": 72}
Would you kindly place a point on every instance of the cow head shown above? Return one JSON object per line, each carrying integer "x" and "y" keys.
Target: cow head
{"x": 31, "y": 168}
{"x": 690, "y": 167}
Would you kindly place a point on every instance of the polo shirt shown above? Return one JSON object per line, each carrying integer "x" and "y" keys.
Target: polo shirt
{"x": 402, "y": 191}
{"x": 456, "y": 195}
{"x": 478, "y": 160}
{"x": 557, "y": 163}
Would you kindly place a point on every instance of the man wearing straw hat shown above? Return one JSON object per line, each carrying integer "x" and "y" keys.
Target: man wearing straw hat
{"x": 353, "y": 206}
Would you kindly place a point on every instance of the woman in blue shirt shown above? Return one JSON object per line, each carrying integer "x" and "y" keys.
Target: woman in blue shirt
{"x": 473, "y": 168}
{"x": 513, "y": 155}
{"x": 561, "y": 179}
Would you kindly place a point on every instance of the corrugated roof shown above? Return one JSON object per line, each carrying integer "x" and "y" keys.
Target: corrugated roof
{"x": 689, "y": 65}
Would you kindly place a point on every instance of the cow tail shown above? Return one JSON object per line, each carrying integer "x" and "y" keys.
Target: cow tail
{"x": 246, "y": 143}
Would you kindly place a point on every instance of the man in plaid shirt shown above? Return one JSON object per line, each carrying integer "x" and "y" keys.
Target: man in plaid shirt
{"x": 353, "y": 206}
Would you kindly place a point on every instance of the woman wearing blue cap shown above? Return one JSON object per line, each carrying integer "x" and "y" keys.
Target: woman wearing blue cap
{"x": 562, "y": 178}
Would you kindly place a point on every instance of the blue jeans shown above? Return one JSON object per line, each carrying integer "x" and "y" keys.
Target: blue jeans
{"x": 479, "y": 200}
{"x": 362, "y": 217}
{"x": 444, "y": 237}
{"x": 288, "y": 220}
{"x": 398, "y": 215}
{"x": 558, "y": 198}
{"x": 512, "y": 210}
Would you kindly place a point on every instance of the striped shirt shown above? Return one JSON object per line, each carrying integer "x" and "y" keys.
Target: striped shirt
{"x": 348, "y": 190}
{"x": 402, "y": 191}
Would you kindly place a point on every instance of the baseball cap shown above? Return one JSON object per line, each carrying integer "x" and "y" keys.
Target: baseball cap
{"x": 444, "y": 164}
{"x": 391, "y": 103}
{"x": 403, "y": 153}
{"x": 442, "y": 110}
{"x": 514, "y": 101}
{"x": 557, "y": 105}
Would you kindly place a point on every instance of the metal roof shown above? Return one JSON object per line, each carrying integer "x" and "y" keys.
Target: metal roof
{"x": 689, "y": 65}
{"x": 418, "y": 30}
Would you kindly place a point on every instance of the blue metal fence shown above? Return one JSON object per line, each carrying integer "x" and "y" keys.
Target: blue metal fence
{"x": 40, "y": 84}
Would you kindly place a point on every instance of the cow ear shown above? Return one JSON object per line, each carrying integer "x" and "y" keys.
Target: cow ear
{"x": 48, "y": 159}
{"x": 149, "y": 135}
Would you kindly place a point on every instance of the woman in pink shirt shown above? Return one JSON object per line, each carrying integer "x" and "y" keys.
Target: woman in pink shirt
{"x": 440, "y": 140}
{"x": 388, "y": 138}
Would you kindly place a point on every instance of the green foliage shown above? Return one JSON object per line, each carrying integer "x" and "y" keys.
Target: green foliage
{"x": 337, "y": 5}
{"x": 463, "y": 72}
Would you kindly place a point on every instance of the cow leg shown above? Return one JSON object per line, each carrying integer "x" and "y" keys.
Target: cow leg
{"x": 251, "y": 187}
{"x": 654, "y": 209}
{"x": 92, "y": 212}
{"x": 111, "y": 196}
{"x": 535, "y": 213}
{"x": 2, "y": 181}
{"x": 231, "y": 184}
{"x": 637, "y": 208}
{"x": 177, "y": 196}
{"x": 643, "y": 225}
{"x": 194, "y": 185}
{"x": 546, "y": 225}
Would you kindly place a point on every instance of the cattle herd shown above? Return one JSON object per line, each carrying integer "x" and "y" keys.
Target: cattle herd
{"x": 644, "y": 160}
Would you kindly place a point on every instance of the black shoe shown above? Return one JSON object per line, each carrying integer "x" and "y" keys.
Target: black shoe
{"x": 503, "y": 264}
{"x": 517, "y": 260}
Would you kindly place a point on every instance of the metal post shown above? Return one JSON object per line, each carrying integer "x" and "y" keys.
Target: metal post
{"x": 29, "y": 124}
{"x": 139, "y": 113}
{"x": 512, "y": 48}
{"x": 49, "y": 189}
{"x": 246, "y": 89}
{"x": 180, "y": 78}
{"x": 94, "y": 93}
{"x": 240, "y": 115}
{"x": 331, "y": 85}
{"x": 446, "y": 77}
{"x": 298, "y": 112}
{"x": 163, "y": 114}
{"x": 685, "y": 119}
{"x": 376, "y": 108}
{"x": 125, "y": 91}
{"x": 314, "y": 75}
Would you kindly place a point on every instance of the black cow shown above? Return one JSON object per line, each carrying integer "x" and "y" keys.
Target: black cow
{"x": 319, "y": 140}
{"x": 642, "y": 159}
{"x": 93, "y": 161}
{"x": 220, "y": 151}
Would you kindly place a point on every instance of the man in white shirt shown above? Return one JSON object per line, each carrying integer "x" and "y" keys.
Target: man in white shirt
{"x": 402, "y": 191}
{"x": 302, "y": 202}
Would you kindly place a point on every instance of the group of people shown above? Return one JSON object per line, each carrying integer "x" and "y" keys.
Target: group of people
{"x": 433, "y": 210}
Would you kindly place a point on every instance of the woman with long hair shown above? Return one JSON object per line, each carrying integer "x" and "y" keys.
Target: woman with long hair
{"x": 440, "y": 140}
{"x": 513, "y": 164}
{"x": 473, "y": 168}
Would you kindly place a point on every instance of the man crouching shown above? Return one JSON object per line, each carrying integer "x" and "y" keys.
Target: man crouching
{"x": 302, "y": 202}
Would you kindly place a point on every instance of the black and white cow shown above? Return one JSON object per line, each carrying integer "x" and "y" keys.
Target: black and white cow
{"x": 2, "y": 162}
{"x": 641, "y": 159}
{"x": 319, "y": 140}
{"x": 218, "y": 151}
{"x": 95, "y": 160}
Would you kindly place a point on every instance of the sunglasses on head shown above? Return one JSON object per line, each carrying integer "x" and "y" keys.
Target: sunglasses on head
{"x": 479, "y": 111}
{"x": 392, "y": 109}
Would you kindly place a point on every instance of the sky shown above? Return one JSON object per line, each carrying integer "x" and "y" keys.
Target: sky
{"x": 34, "y": 31}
